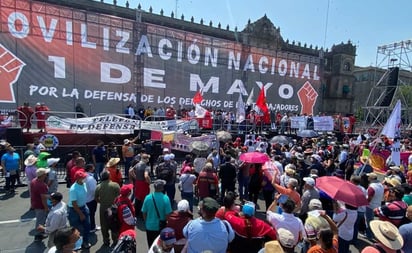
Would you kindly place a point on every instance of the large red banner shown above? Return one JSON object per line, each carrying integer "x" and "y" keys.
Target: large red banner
{"x": 65, "y": 56}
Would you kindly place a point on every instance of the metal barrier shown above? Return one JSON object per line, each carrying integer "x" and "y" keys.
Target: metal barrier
{"x": 64, "y": 153}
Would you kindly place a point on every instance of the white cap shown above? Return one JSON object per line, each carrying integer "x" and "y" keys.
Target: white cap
{"x": 183, "y": 206}
{"x": 310, "y": 181}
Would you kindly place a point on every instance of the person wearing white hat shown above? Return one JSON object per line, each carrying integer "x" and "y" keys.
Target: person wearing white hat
{"x": 375, "y": 192}
{"x": 38, "y": 198}
{"x": 52, "y": 181}
{"x": 30, "y": 169}
{"x": 309, "y": 192}
{"x": 388, "y": 238}
{"x": 178, "y": 220}
{"x": 128, "y": 152}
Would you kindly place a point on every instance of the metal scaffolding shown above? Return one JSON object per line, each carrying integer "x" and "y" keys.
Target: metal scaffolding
{"x": 391, "y": 61}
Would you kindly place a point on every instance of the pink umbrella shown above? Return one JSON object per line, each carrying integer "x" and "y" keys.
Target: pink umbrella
{"x": 254, "y": 157}
{"x": 339, "y": 189}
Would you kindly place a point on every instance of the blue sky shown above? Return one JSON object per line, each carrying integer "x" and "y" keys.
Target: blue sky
{"x": 367, "y": 23}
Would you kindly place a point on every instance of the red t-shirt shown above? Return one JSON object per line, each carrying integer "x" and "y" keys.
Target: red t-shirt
{"x": 115, "y": 175}
{"x": 37, "y": 188}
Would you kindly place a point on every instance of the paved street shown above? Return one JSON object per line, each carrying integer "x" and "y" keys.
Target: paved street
{"x": 17, "y": 225}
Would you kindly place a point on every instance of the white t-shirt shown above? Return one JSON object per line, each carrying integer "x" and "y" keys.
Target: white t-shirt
{"x": 346, "y": 228}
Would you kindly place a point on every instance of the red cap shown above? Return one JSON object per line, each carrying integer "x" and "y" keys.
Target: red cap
{"x": 80, "y": 174}
{"x": 126, "y": 189}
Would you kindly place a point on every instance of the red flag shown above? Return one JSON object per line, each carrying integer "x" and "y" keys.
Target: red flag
{"x": 197, "y": 99}
{"x": 261, "y": 103}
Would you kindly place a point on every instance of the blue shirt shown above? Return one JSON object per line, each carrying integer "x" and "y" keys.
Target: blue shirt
{"x": 163, "y": 205}
{"x": 11, "y": 162}
{"x": 406, "y": 232}
{"x": 78, "y": 193}
{"x": 100, "y": 154}
{"x": 211, "y": 236}
{"x": 343, "y": 156}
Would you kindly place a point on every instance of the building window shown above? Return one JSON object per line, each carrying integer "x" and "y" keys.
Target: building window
{"x": 345, "y": 89}
{"x": 347, "y": 66}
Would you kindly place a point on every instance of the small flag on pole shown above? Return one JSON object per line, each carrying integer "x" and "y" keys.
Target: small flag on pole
{"x": 197, "y": 99}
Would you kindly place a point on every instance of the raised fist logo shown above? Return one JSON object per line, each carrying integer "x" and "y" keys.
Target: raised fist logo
{"x": 10, "y": 69}
{"x": 307, "y": 97}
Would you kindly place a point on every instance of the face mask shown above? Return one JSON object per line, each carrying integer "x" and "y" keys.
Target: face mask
{"x": 78, "y": 244}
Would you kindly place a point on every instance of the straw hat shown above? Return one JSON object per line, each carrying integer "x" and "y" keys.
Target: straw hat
{"x": 112, "y": 162}
{"x": 290, "y": 169}
{"x": 273, "y": 247}
{"x": 393, "y": 181}
{"x": 30, "y": 160}
{"x": 386, "y": 233}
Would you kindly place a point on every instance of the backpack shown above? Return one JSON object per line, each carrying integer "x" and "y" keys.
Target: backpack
{"x": 125, "y": 244}
{"x": 112, "y": 217}
{"x": 165, "y": 173}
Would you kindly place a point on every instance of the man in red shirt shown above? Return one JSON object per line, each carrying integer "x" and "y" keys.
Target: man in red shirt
{"x": 70, "y": 164}
{"x": 79, "y": 165}
{"x": 38, "y": 198}
{"x": 41, "y": 115}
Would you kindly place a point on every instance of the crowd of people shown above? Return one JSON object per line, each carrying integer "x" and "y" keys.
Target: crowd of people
{"x": 298, "y": 214}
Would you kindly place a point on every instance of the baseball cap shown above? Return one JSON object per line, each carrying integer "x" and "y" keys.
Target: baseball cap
{"x": 209, "y": 204}
{"x": 315, "y": 204}
{"x": 126, "y": 141}
{"x": 167, "y": 157}
{"x": 282, "y": 199}
{"x": 183, "y": 206}
{"x": 248, "y": 209}
{"x": 165, "y": 150}
{"x": 126, "y": 189}
{"x": 42, "y": 171}
{"x": 80, "y": 174}
{"x": 56, "y": 196}
{"x": 310, "y": 181}
{"x": 168, "y": 235}
{"x": 286, "y": 238}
